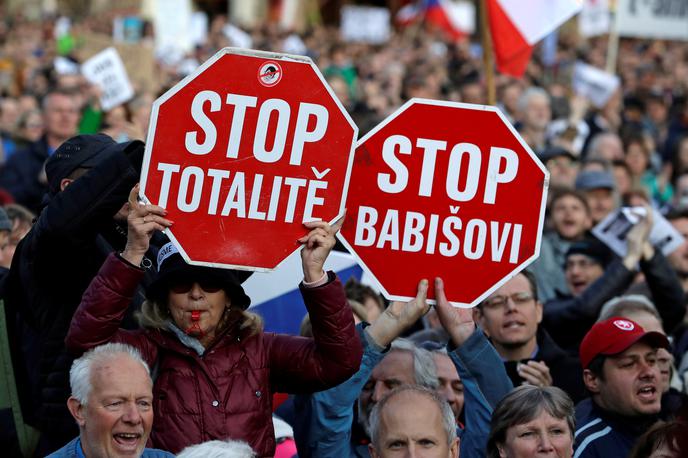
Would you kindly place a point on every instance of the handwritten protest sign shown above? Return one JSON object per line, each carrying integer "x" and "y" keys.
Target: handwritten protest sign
{"x": 107, "y": 71}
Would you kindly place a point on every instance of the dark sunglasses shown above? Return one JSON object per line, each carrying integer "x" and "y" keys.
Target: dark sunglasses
{"x": 184, "y": 284}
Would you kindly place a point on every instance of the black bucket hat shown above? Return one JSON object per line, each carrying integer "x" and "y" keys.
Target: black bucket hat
{"x": 82, "y": 151}
{"x": 171, "y": 266}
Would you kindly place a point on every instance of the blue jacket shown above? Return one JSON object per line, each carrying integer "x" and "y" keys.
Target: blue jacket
{"x": 602, "y": 434}
{"x": 73, "y": 450}
{"x": 324, "y": 419}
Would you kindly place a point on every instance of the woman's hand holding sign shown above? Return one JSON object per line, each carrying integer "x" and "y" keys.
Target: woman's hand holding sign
{"x": 317, "y": 245}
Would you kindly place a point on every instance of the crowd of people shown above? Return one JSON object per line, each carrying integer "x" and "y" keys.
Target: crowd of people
{"x": 118, "y": 347}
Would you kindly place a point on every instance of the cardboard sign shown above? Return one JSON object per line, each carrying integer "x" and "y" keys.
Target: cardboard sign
{"x": 443, "y": 189}
{"x": 666, "y": 19}
{"x": 140, "y": 62}
{"x": 595, "y": 84}
{"x": 365, "y": 23}
{"x": 242, "y": 152}
{"x": 613, "y": 231}
{"x": 107, "y": 71}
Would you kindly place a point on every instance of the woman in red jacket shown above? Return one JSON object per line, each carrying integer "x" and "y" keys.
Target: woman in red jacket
{"x": 215, "y": 369}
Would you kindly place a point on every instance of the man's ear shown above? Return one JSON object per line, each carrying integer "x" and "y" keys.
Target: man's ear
{"x": 76, "y": 408}
{"x": 454, "y": 448}
{"x": 373, "y": 453}
{"x": 478, "y": 318}
{"x": 592, "y": 381}
{"x": 501, "y": 450}
{"x": 538, "y": 311}
{"x": 65, "y": 182}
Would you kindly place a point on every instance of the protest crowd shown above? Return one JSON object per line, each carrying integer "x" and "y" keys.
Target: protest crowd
{"x": 112, "y": 345}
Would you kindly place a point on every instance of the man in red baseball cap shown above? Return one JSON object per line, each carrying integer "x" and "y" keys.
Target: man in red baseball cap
{"x": 620, "y": 371}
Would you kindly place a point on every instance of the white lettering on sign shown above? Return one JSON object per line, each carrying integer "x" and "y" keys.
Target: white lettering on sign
{"x": 231, "y": 195}
{"x": 448, "y": 235}
{"x": 273, "y": 118}
{"x": 414, "y": 232}
{"x": 502, "y": 167}
{"x": 204, "y": 122}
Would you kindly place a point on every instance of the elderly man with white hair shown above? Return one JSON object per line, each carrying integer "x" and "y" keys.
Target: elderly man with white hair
{"x": 112, "y": 402}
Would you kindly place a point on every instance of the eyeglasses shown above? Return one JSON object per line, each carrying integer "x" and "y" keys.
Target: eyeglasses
{"x": 500, "y": 301}
{"x": 184, "y": 284}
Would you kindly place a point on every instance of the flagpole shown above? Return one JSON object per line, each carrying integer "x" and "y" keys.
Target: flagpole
{"x": 488, "y": 65}
{"x": 613, "y": 42}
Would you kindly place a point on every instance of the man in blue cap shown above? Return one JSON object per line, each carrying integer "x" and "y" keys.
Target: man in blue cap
{"x": 598, "y": 187}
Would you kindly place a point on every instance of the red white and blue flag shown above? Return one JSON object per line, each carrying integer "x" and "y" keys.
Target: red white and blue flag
{"x": 517, "y": 25}
{"x": 439, "y": 13}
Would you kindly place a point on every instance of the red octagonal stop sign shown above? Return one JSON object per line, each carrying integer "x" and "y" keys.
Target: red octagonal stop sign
{"x": 244, "y": 150}
{"x": 449, "y": 190}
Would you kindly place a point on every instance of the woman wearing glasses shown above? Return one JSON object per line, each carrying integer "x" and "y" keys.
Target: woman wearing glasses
{"x": 214, "y": 368}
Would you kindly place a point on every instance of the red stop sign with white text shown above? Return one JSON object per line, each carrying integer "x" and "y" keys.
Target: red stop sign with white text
{"x": 442, "y": 189}
{"x": 242, "y": 152}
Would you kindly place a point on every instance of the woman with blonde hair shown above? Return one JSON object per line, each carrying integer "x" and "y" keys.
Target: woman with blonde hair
{"x": 215, "y": 369}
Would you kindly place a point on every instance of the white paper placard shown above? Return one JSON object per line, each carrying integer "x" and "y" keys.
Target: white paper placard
{"x": 172, "y": 26}
{"x": 595, "y": 18}
{"x": 107, "y": 71}
{"x": 364, "y": 23}
{"x": 595, "y": 84}
{"x": 613, "y": 230}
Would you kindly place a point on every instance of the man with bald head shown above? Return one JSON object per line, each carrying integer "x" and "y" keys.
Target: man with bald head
{"x": 413, "y": 421}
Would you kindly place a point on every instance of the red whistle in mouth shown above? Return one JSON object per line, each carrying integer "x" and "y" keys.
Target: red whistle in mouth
{"x": 196, "y": 315}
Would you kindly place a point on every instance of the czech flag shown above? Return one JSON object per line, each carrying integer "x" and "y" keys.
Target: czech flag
{"x": 438, "y": 13}
{"x": 517, "y": 25}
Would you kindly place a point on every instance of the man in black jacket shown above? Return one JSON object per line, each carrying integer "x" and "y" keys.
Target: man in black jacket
{"x": 90, "y": 177}
{"x": 511, "y": 317}
{"x": 596, "y": 276}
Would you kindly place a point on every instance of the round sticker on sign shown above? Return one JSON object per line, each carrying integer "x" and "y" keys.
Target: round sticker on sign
{"x": 269, "y": 74}
{"x": 624, "y": 325}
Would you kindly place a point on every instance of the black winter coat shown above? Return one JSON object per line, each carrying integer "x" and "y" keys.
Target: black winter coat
{"x": 52, "y": 267}
{"x": 567, "y": 319}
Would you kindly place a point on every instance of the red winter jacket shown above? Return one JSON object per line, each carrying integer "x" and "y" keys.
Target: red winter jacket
{"x": 227, "y": 392}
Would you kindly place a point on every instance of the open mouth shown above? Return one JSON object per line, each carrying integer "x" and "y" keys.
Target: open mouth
{"x": 568, "y": 224}
{"x": 579, "y": 285}
{"x": 513, "y": 325}
{"x": 127, "y": 441}
{"x": 648, "y": 393}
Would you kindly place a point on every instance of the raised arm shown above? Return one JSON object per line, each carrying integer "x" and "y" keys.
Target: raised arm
{"x": 567, "y": 320}
{"x": 107, "y": 298}
{"x": 480, "y": 368}
{"x": 325, "y": 418}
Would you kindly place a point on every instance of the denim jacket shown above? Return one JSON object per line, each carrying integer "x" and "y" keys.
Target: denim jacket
{"x": 324, "y": 419}
{"x": 73, "y": 450}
